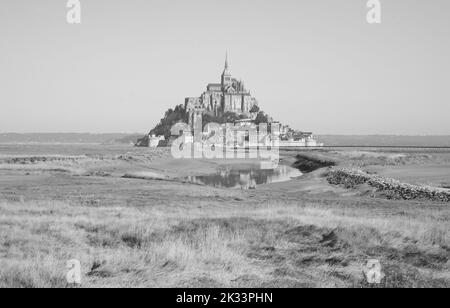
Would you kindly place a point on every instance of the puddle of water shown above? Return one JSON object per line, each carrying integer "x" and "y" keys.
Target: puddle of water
{"x": 245, "y": 177}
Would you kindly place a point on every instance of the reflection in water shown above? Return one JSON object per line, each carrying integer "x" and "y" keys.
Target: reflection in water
{"x": 245, "y": 177}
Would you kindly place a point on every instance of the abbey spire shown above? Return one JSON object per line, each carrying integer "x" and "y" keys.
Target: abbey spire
{"x": 226, "y": 75}
{"x": 226, "y": 61}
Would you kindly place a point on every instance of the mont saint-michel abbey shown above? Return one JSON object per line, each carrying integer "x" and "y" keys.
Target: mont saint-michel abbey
{"x": 230, "y": 95}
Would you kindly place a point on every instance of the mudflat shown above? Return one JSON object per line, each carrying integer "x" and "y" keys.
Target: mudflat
{"x": 132, "y": 219}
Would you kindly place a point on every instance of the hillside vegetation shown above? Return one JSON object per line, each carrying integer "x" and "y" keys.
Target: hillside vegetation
{"x": 179, "y": 114}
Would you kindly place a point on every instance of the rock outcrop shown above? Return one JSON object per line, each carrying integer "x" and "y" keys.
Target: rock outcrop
{"x": 391, "y": 188}
{"x": 308, "y": 163}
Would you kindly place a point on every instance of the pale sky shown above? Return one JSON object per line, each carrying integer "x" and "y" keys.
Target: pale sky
{"x": 316, "y": 65}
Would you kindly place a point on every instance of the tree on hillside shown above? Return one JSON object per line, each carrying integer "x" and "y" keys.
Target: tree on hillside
{"x": 210, "y": 118}
{"x": 261, "y": 118}
{"x": 228, "y": 117}
{"x": 255, "y": 108}
{"x": 171, "y": 117}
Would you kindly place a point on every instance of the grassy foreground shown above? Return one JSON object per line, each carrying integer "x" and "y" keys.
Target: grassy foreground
{"x": 275, "y": 246}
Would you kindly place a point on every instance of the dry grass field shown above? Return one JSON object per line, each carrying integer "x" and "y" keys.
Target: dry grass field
{"x": 60, "y": 203}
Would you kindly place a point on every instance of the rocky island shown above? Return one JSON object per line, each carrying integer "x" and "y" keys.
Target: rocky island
{"x": 226, "y": 102}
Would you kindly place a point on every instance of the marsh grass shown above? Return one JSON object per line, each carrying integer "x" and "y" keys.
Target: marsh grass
{"x": 271, "y": 245}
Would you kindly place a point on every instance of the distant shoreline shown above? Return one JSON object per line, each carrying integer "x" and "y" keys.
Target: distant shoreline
{"x": 330, "y": 141}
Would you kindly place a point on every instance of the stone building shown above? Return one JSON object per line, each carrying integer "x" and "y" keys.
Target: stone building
{"x": 230, "y": 95}
{"x": 154, "y": 141}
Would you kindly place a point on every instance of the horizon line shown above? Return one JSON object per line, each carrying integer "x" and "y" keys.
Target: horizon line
{"x": 140, "y": 133}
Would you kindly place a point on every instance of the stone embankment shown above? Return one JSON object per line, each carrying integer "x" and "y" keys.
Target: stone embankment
{"x": 391, "y": 188}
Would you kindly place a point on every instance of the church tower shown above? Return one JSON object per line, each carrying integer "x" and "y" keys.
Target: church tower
{"x": 226, "y": 75}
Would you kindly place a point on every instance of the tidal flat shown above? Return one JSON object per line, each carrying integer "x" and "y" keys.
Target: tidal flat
{"x": 133, "y": 218}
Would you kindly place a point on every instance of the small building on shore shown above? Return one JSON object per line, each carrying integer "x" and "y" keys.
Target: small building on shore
{"x": 154, "y": 141}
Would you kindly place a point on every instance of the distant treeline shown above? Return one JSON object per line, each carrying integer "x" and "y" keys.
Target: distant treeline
{"x": 384, "y": 140}
{"x": 67, "y": 138}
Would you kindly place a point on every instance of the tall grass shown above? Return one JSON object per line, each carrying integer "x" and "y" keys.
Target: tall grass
{"x": 128, "y": 246}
